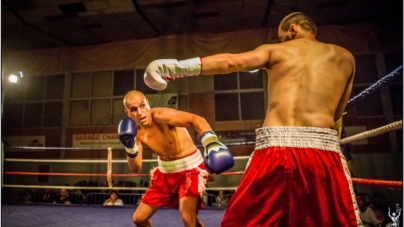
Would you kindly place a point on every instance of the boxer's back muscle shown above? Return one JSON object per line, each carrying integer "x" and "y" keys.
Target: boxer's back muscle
{"x": 306, "y": 80}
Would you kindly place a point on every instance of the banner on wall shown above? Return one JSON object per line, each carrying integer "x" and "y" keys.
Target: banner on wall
{"x": 163, "y": 100}
{"x": 101, "y": 140}
{"x": 24, "y": 141}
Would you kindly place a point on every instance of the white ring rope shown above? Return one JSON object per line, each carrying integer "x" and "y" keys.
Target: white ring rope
{"x": 390, "y": 127}
{"x": 88, "y": 161}
{"x": 393, "y": 126}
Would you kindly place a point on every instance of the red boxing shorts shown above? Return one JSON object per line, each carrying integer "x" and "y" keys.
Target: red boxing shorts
{"x": 297, "y": 176}
{"x": 172, "y": 180}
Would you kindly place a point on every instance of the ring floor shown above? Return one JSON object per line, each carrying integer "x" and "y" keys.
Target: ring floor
{"x": 33, "y": 215}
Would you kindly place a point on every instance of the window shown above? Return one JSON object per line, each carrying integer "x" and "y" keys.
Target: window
{"x": 393, "y": 61}
{"x": 96, "y": 97}
{"x": 396, "y": 93}
{"x": 101, "y": 86}
{"x": 79, "y": 113}
{"x": 35, "y": 88}
{"x": 371, "y": 105}
{"x": 12, "y": 115}
{"x": 239, "y": 96}
{"x": 366, "y": 72}
{"x": 123, "y": 82}
{"x": 52, "y": 114}
{"x": 366, "y": 75}
{"x": 101, "y": 112}
{"x": 226, "y": 107}
{"x": 81, "y": 85}
{"x": 34, "y": 102}
{"x": 55, "y": 87}
{"x": 140, "y": 85}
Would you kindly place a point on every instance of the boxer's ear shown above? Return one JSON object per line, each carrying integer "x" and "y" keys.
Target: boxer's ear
{"x": 293, "y": 30}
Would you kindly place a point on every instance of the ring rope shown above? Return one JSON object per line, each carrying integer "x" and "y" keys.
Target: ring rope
{"x": 8, "y": 148}
{"x": 375, "y": 87}
{"x": 393, "y": 126}
{"x": 377, "y": 183}
{"x": 366, "y": 134}
{"x": 101, "y": 188}
{"x": 89, "y": 161}
{"x": 390, "y": 127}
{"x": 78, "y": 174}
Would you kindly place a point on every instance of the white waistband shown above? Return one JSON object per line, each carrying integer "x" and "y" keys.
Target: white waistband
{"x": 300, "y": 137}
{"x": 186, "y": 163}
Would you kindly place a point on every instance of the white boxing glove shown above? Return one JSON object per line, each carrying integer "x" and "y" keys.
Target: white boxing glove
{"x": 159, "y": 72}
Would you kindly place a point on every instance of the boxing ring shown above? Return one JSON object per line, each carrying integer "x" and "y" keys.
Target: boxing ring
{"x": 94, "y": 214}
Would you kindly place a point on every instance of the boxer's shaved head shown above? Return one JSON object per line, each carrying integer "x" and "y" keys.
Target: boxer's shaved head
{"x": 131, "y": 94}
{"x": 300, "y": 19}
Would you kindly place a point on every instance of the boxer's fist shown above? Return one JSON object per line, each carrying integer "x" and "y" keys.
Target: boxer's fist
{"x": 218, "y": 157}
{"x": 158, "y": 72}
{"x": 127, "y": 131}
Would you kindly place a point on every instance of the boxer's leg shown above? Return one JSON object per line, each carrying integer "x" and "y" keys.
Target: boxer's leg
{"x": 143, "y": 213}
{"x": 189, "y": 211}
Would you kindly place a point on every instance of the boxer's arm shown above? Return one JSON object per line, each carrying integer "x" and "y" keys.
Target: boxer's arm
{"x": 347, "y": 93}
{"x": 180, "y": 119}
{"x": 243, "y": 62}
{"x": 158, "y": 72}
{"x": 135, "y": 164}
{"x": 338, "y": 127}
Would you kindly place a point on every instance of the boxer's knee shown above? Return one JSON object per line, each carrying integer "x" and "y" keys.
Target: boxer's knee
{"x": 189, "y": 219}
{"x": 141, "y": 221}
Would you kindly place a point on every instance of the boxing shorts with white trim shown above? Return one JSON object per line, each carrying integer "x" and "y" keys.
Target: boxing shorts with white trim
{"x": 297, "y": 176}
{"x": 173, "y": 180}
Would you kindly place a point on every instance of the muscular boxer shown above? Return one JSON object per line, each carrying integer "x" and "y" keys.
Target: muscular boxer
{"x": 297, "y": 175}
{"x": 180, "y": 178}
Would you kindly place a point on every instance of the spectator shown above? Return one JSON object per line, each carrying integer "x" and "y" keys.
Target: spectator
{"x": 49, "y": 196}
{"x": 113, "y": 199}
{"x": 381, "y": 213}
{"x": 77, "y": 195}
{"x": 365, "y": 212}
{"x": 221, "y": 199}
{"x": 63, "y": 198}
{"x": 25, "y": 196}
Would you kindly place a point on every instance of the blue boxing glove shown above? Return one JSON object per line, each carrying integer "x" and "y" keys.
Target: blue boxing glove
{"x": 218, "y": 157}
{"x": 127, "y": 131}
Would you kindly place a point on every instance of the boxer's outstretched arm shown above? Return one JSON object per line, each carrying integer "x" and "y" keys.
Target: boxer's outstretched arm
{"x": 228, "y": 63}
{"x": 160, "y": 71}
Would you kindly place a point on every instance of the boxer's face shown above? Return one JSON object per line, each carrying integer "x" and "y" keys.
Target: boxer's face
{"x": 137, "y": 107}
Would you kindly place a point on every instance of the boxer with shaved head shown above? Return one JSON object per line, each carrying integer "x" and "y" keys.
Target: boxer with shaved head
{"x": 180, "y": 178}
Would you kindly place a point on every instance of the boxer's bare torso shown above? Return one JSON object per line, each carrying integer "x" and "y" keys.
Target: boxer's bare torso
{"x": 163, "y": 130}
{"x": 309, "y": 82}
{"x": 167, "y": 141}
